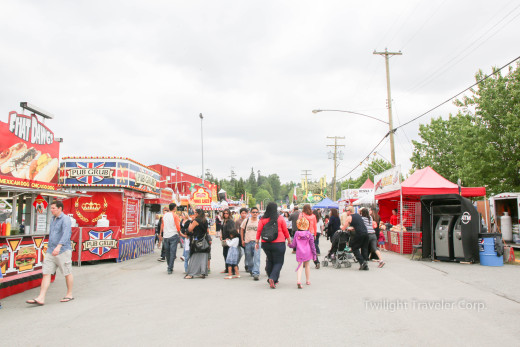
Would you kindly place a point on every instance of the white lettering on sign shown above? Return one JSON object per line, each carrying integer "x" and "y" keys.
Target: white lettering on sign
{"x": 30, "y": 129}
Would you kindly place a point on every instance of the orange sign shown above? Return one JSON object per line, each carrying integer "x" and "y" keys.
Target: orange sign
{"x": 201, "y": 197}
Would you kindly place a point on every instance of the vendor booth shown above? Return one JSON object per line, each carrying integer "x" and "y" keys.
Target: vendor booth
{"x": 326, "y": 203}
{"x": 117, "y": 220}
{"x": 405, "y": 196}
{"x": 28, "y": 184}
{"x": 451, "y": 227}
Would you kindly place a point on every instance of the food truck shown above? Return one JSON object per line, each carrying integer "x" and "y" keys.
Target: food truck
{"x": 117, "y": 219}
{"x": 505, "y": 216}
{"x": 28, "y": 184}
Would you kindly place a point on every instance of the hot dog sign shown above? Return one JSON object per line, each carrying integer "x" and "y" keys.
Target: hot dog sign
{"x": 28, "y": 153}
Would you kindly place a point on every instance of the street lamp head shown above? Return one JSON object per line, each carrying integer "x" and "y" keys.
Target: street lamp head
{"x": 200, "y": 116}
{"x": 316, "y": 111}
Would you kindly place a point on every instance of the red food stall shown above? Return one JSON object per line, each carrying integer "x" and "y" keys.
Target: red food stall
{"x": 390, "y": 194}
{"x": 123, "y": 194}
{"x": 28, "y": 183}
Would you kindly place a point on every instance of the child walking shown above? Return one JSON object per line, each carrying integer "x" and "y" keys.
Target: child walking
{"x": 303, "y": 242}
{"x": 233, "y": 254}
{"x": 381, "y": 240}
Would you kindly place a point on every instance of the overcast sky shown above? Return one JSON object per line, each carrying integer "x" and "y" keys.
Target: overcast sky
{"x": 129, "y": 78}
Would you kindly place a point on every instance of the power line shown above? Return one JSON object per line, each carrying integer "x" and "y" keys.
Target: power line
{"x": 463, "y": 53}
{"x": 453, "y": 97}
{"x": 430, "y": 110}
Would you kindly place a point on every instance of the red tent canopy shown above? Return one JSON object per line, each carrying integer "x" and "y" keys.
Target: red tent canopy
{"x": 367, "y": 185}
{"x": 427, "y": 181}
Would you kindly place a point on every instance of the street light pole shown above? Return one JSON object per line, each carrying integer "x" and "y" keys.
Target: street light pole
{"x": 202, "y": 146}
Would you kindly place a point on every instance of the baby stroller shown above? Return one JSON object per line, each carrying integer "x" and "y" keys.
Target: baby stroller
{"x": 340, "y": 253}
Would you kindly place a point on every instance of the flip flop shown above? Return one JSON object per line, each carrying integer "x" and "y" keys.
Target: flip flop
{"x": 66, "y": 299}
{"x": 228, "y": 277}
{"x": 34, "y": 302}
{"x": 188, "y": 277}
{"x": 236, "y": 276}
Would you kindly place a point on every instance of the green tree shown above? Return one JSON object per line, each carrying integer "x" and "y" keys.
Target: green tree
{"x": 276, "y": 186}
{"x": 480, "y": 144}
{"x": 251, "y": 183}
{"x": 263, "y": 195}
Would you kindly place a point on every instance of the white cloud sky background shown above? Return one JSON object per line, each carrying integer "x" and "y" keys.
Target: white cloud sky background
{"x": 129, "y": 78}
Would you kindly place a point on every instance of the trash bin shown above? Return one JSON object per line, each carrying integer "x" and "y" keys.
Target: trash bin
{"x": 491, "y": 249}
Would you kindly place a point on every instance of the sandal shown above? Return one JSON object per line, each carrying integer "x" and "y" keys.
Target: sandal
{"x": 236, "y": 276}
{"x": 188, "y": 277}
{"x": 299, "y": 285}
{"x": 228, "y": 277}
{"x": 66, "y": 299}
{"x": 34, "y": 302}
{"x": 308, "y": 283}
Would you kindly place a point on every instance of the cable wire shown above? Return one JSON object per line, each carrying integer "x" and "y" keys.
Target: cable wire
{"x": 456, "y": 95}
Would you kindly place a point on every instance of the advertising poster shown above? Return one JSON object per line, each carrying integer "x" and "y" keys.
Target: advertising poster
{"x": 28, "y": 153}
{"x": 387, "y": 181}
{"x": 21, "y": 254}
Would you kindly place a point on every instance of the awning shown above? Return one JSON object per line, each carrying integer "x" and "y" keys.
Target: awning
{"x": 46, "y": 192}
{"x": 204, "y": 207}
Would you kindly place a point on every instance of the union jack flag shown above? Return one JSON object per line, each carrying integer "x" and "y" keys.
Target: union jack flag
{"x": 90, "y": 179}
{"x": 100, "y": 235}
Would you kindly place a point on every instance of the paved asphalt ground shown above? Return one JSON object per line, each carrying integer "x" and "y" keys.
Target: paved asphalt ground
{"x": 135, "y": 303}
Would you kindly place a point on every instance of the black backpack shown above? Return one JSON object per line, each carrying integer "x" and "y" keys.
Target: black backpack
{"x": 270, "y": 231}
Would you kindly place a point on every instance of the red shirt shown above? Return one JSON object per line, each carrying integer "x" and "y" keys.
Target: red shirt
{"x": 394, "y": 219}
{"x": 283, "y": 233}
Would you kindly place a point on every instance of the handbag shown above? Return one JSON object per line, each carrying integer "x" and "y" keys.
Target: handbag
{"x": 201, "y": 245}
{"x": 224, "y": 243}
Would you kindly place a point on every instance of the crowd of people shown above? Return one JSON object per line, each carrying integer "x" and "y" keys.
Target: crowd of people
{"x": 246, "y": 234}
{"x": 243, "y": 236}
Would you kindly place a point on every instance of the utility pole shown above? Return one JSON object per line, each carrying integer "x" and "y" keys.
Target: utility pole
{"x": 335, "y": 157}
{"x": 306, "y": 185}
{"x": 390, "y": 122}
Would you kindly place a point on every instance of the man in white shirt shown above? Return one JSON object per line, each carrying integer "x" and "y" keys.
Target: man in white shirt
{"x": 170, "y": 228}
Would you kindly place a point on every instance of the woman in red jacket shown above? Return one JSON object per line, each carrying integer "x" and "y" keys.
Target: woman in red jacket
{"x": 274, "y": 250}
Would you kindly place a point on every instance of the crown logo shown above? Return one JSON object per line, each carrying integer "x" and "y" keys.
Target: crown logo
{"x": 90, "y": 207}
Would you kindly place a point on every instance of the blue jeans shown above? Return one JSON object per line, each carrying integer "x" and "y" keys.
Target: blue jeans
{"x": 170, "y": 245}
{"x": 186, "y": 255}
{"x": 253, "y": 258}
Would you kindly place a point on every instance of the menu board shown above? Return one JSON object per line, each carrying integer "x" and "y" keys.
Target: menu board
{"x": 132, "y": 216}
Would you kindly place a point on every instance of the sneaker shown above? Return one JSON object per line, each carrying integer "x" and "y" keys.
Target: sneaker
{"x": 161, "y": 259}
{"x": 255, "y": 278}
{"x": 381, "y": 264}
{"x": 170, "y": 272}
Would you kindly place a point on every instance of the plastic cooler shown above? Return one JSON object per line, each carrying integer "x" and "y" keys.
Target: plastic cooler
{"x": 488, "y": 254}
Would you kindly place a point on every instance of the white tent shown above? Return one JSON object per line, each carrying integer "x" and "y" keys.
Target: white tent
{"x": 365, "y": 200}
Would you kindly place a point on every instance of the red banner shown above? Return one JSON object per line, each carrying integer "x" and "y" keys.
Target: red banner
{"x": 95, "y": 243}
{"x": 28, "y": 153}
